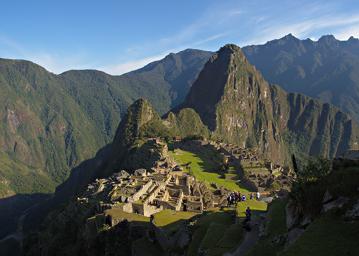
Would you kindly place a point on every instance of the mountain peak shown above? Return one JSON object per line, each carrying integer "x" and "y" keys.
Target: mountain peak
{"x": 287, "y": 39}
{"x": 231, "y": 47}
{"x": 327, "y": 39}
{"x": 353, "y": 39}
{"x": 139, "y": 113}
{"x": 230, "y": 50}
{"x": 290, "y": 36}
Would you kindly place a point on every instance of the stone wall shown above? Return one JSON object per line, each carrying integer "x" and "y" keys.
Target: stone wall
{"x": 141, "y": 191}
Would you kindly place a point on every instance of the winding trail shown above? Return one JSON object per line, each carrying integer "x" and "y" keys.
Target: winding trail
{"x": 250, "y": 238}
{"x": 18, "y": 235}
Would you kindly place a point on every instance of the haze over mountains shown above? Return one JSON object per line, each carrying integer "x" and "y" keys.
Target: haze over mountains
{"x": 231, "y": 99}
{"x": 52, "y": 124}
{"x": 327, "y": 69}
{"x": 76, "y": 113}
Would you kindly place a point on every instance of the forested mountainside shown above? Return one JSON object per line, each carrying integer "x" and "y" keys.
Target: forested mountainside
{"x": 53, "y": 122}
{"x": 135, "y": 146}
{"x": 242, "y": 108}
{"x": 279, "y": 125}
{"x": 42, "y": 152}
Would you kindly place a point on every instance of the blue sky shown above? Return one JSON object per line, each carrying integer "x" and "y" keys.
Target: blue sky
{"x": 119, "y": 36}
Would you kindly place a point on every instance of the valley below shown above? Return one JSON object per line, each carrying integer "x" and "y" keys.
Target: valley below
{"x": 195, "y": 154}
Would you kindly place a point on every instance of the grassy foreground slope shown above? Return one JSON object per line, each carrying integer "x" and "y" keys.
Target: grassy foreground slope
{"x": 328, "y": 235}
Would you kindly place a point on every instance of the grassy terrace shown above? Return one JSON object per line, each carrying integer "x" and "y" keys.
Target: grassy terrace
{"x": 205, "y": 168}
{"x": 167, "y": 217}
{"x": 216, "y": 232}
{"x": 119, "y": 214}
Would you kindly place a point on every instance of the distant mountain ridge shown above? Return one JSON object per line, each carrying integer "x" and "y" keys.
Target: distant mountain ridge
{"x": 327, "y": 69}
{"x": 60, "y": 106}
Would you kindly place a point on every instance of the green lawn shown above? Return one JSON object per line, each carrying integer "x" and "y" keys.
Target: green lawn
{"x": 254, "y": 205}
{"x": 171, "y": 219}
{"x": 202, "y": 168}
{"x": 205, "y": 169}
{"x": 119, "y": 214}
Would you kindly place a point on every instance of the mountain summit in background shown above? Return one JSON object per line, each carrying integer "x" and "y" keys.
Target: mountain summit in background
{"x": 37, "y": 155}
{"x": 231, "y": 116}
{"x": 240, "y": 107}
{"x": 326, "y": 69}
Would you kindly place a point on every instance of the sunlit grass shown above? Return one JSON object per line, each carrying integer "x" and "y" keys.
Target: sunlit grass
{"x": 204, "y": 170}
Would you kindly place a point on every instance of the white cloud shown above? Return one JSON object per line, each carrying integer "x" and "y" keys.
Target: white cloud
{"x": 58, "y": 64}
{"x": 345, "y": 33}
{"x": 306, "y": 27}
{"x": 246, "y": 23}
{"x": 125, "y": 67}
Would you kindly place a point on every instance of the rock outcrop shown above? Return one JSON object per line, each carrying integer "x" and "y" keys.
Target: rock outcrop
{"x": 240, "y": 107}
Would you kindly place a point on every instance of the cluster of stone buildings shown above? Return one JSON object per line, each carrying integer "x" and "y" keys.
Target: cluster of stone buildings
{"x": 147, "y": 192}
{"x": 260, "y": 175}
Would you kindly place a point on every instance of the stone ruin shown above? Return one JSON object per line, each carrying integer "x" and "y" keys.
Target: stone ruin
{"x": 273, "y": 177}
{"x": 144, "y": 192}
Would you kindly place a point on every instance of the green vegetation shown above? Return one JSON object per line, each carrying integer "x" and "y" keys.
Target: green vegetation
{"x": 297, "y": 121}
{"x": 168, "y": 217}
{"x": 338, "y": 61}
{"x": 51, "y": 123}
{"x": 206, "y": 167}
{"x": 328, "y": 235}
{"x": 254, "y": 205}
{"x": 309, "y": 187}
{"x": 216, "y": 233}
{"x": 145, "y": 247}
{"x": 275, "y": 226}
{"x": 119, "y": 214}
{"x": 17, "y": 177}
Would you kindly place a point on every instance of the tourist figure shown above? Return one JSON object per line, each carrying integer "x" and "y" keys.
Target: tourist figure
{"x": 244, "y": 198}
{"x": 248, "y": 214}
{"x": 258, "y": 195}
{"x": 246, "y": 222}
{"x": 251, "y": 196}
{"x": 229, "y": 199}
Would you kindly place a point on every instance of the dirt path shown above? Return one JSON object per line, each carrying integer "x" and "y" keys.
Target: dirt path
{"x": 250, "y": 238}
{"x": 18, "y": 234}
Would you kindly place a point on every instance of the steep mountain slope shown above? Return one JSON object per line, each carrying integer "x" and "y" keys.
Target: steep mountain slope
{"x": 51, "y": 122}
{"x": 239, "y": 106}
{"x": 41, "y": 126}
{"x": 132, "y": 148}
{"x": 175, "y": 73}
{"x": 327, "y": 69}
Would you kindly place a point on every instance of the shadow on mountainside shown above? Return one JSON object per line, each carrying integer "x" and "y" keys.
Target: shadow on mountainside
{"x": 23, "y": 213}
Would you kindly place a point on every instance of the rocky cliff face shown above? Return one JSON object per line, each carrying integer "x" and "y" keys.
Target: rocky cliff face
{"x": 240, "y": 107}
